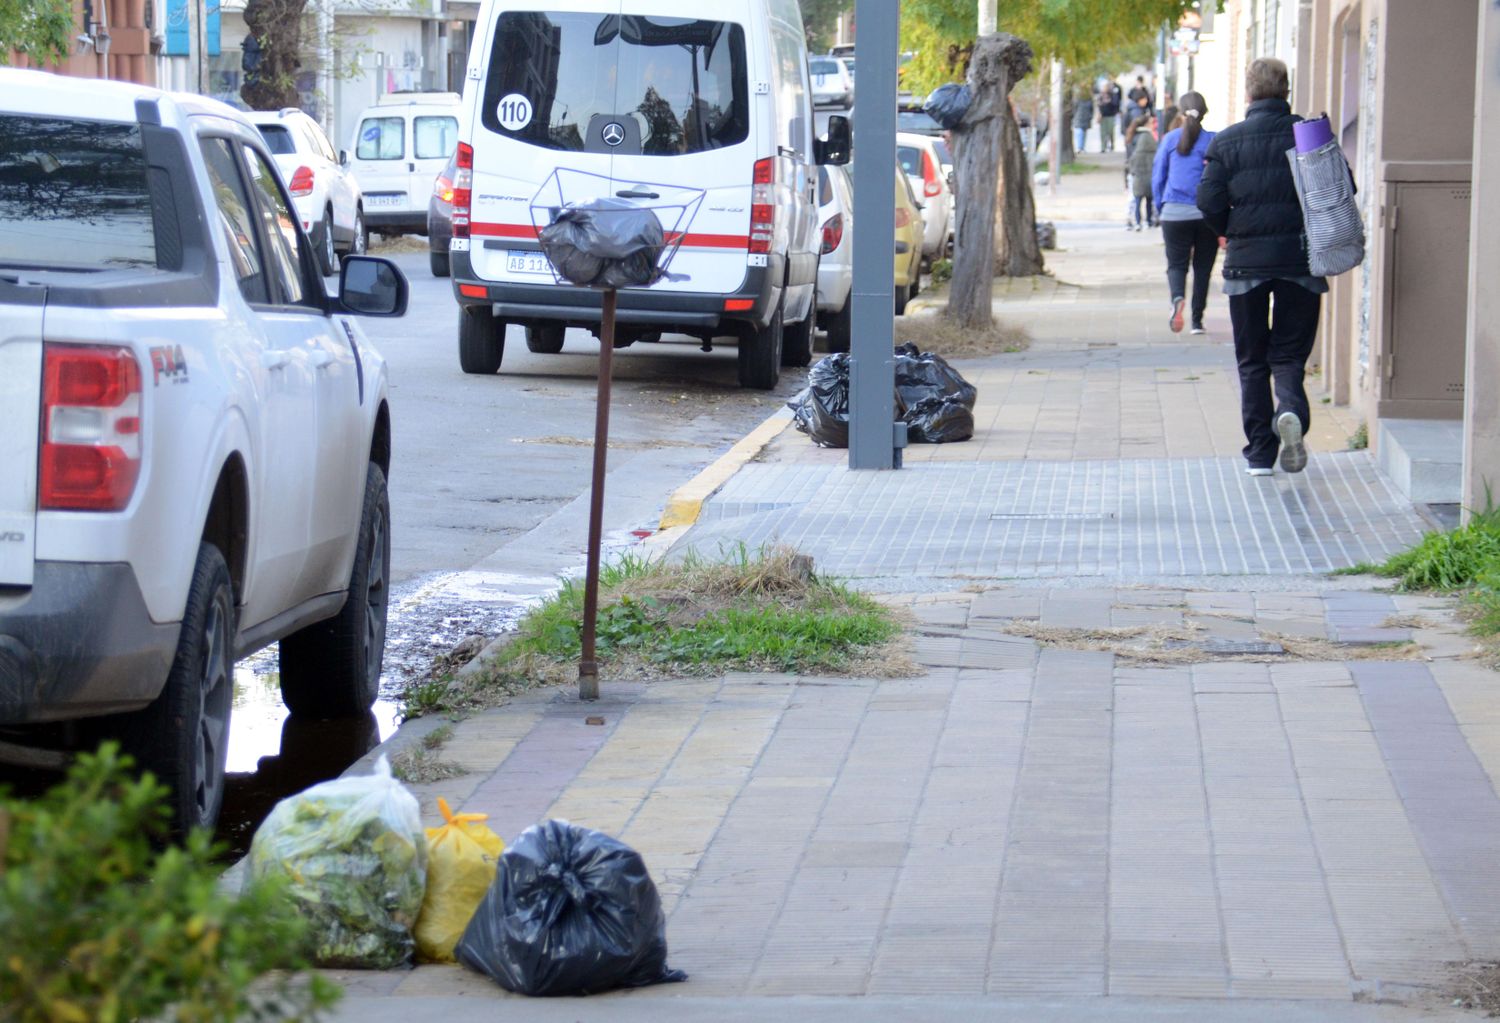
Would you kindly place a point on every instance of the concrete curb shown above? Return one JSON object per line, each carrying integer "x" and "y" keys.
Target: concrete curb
{"x": 686, "y": 503}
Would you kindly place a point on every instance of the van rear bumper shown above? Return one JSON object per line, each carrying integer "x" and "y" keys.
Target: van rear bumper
{"x": 668, "y": 310}
{"x": 79, "y": 643}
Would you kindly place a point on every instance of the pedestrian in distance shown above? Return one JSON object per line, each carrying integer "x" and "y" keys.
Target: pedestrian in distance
{"x": 1248, "y": 195}
{"x": 1142, "y": 163}
{"x": 1083, "y": 117}
{"x": 1189, "y": 239}
{"x": 1139, "y": 92}
{"x": 1109, "y": 111}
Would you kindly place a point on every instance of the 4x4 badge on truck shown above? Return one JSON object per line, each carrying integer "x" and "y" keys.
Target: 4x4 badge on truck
{"x": 613, "y": 133}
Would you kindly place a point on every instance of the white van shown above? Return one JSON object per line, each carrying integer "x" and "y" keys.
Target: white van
{"x": 400, "y": 146}
{"x": 648, "y": 96}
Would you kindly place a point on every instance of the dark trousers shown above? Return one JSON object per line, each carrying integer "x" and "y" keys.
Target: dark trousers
{"x": 1150, "y": 218}
{"x": 1272, "y": 343}
{"x": 1190, "y": 241}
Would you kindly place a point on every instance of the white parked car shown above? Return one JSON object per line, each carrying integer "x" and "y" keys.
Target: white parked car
{"x": 400, "y": 146}
{"x": 836, "y": 262}
{"x": 324, "y": 192}
{"x": 925, "y": 159}
{"x": 196, "y": 435}
{"x": 832, "y": 84}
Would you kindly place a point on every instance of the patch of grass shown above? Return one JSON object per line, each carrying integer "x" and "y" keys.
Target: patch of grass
{"x": 1359, "y": 440}
{"x": 422, "y": 761}
{"x": 428, "y": 696}
{"x": 1453, "y": 560}
{"x": 1363, "y": 568}
{"x": 942, "y": 271}
{"x": 940, "y": 334}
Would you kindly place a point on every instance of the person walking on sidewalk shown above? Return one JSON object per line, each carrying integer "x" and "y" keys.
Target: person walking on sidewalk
{"x": 1109, "y": 110}
{"x": 1248, "y": 195}
{"x": 1083, "y": 117}
{"x": 1142, "y": 161}
{"x": 1188, "y": 238}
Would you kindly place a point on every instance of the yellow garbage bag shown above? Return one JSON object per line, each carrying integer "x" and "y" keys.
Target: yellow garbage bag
{"x": 461, "y": 858}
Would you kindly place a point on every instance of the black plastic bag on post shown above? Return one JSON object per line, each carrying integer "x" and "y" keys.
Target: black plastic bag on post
{"x": 922, "y": 375}
{"x": 947, "y": 104}
{"x": 572, "y": 911}
{"x": 939, "y": 421}
{"x": 821, "y": 410}
{"x": 605, "y": 243}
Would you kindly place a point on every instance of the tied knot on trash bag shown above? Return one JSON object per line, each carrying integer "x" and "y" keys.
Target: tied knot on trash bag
{"x": 947, "y": 104}
{"x": 605, "y": 243}
{"x": 461, "y": 858}
{"x": 353, "y": 862}
{"x": 932, "y": 398}
{"x": 572, "y": 911}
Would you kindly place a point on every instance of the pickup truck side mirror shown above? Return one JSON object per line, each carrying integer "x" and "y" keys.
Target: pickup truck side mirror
{"x": 371, "y": 286}
{"x": 836, "y": 147}
{"x": 343, "y": 157}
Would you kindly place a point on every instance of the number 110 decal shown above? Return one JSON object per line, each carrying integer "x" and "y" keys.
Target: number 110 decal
{"x": 514, "y": 111}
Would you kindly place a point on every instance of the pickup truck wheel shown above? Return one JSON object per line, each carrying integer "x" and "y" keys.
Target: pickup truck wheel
{"x": 183, "y": 736}
{"x": 481, "y": 340}
{"x": 841, "y": 327}
{"x": 438, "y": 262}
{"x": 545, "y": 340}
{"x": 331, "y": 669}
{"x": 328, "y": 257}
{"x": 760, "y": 354}
{"x": 796, "y": 341}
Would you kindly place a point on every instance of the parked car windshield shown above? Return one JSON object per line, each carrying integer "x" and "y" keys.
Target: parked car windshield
{"x": 73, "y": 194}
{"x": 824, "y": 67}
{"x": 917, "y": 121}
{"x": 278, "y": 139}
{"x": 556, "y": 76}
{"x": 910, "y": 158}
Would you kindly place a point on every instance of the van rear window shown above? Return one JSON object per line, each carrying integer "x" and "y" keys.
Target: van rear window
{"x": 382, "y": 138}
{"x": 73, "y": 193}
{"x": 617, "y": 83}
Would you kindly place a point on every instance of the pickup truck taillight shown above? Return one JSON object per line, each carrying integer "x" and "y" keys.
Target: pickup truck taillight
{"x": 91, "y": 427}
{"x": 463, "y": 185}
{"x": 302, "y": 182}
{"x": 931, "y": 184}
{"x": 763, "y": 205}
{"x": 833, "y": 233}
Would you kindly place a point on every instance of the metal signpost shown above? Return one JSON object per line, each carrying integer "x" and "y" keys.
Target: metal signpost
{"x": 588, "y": 664}
{"x": 872, "y": 363}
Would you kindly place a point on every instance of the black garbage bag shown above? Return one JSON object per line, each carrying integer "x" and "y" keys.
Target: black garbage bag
{"x": 922, "y": 375}
{"x": 572, "y": 911}
{"x": 948, "y": 104}
{"x": 939, "y": 421}
{"x": 605, "y": 243}
{"x": 821, "y": 410}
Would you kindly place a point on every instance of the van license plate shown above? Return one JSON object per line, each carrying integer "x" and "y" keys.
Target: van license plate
{"x": 524, "y": 261}
{"x": 385, "y": 200}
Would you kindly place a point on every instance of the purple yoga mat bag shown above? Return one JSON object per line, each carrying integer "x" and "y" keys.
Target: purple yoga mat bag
{"x": 1325, "y": 187}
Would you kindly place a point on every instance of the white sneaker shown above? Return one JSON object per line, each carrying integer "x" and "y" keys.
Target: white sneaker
{"x": 1198, "y": 330}
{"x": 1258, "y": 470}
{"x": 1293, "y": 451}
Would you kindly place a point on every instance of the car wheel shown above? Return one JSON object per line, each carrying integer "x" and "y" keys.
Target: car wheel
{"x": 361, "y": 243}
{"x": 481, "y": 340}
{"x": 841, "y": 327}
{"x": 916, "y": 283}
{"x": 760, "y": 354}
{"x": 546, "y": 339}
{"x": 438, "y": 261}
{"x": 903, "y": 295}
{"x": 796, "y": 341}
{"x": 331, "y": 669}
{"x": 328, "y": 257}
{"x": 183, "y": 736}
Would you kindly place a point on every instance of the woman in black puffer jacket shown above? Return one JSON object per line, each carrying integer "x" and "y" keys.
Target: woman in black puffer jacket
{"x": 1247, "y": 195}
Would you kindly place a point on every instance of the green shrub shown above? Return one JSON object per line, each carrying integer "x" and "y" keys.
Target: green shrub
{"x": 105, "y": 923}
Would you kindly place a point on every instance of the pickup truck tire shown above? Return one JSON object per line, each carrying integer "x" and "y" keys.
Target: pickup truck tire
{"x": 183, "y": 736}
{"x": 438, "y": 263}
{"x": 841, "y": 327}
{"x": 328, "y": 257}
{"x": 796, "y": 341}
{"x": 760, "y": 354}
{"x": 331, "y": 669}
{"x": 481, "y": 340}
{"x": 545, "y": 340}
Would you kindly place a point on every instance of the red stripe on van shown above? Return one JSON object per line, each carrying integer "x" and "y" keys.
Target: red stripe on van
{"x": 693, "y": 241}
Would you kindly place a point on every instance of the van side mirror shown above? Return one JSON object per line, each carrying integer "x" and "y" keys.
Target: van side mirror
{"x": 371, "y": 286}
{"x": 835, "y": 148}
{"x": 343, "y": 157}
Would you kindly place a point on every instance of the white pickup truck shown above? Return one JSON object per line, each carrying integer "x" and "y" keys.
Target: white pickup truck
{"x": 194, "y": 437}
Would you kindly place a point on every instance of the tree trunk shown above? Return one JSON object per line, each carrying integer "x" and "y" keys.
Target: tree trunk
{"x": 998, "y": 62}
{"x": 277, "y": 26}
{"x": 1018, "y": 255}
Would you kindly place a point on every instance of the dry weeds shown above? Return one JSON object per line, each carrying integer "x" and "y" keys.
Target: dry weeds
{"x": 1164, "y": 645}
{"x": 1476, "y": 985}
{"x": 937, "y": 333}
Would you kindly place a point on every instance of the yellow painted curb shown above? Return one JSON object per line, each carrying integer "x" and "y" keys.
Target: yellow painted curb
{"x": 686, "y": 504}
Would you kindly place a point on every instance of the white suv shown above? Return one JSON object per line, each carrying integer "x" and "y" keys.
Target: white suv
{"x": 196, "y": 435}
{"x": 324, "y": 191}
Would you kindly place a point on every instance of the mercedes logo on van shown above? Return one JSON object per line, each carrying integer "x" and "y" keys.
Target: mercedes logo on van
{"x": 614, "y": 133}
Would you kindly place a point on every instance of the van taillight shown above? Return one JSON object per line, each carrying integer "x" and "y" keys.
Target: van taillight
{"x": 91, "y": 428}
{"x": 302, "y": 182}
{"x": 833, "y": 233}
{"x": 443, "y": 189}
{"x": 931, "y": 185}
{"x": 463, "y": 187}
{"x": 763, "y": 205}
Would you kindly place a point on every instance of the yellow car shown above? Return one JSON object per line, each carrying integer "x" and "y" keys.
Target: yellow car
{"x": 908, "y": 243}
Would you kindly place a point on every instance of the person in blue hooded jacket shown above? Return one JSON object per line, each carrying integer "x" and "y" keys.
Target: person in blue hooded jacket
{"x": 1174, "y": 186}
